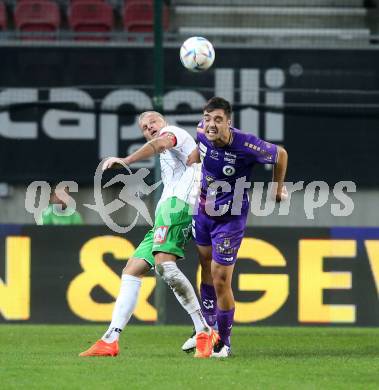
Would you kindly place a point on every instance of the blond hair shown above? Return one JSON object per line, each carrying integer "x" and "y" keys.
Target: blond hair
{"x": 146, "y": 113}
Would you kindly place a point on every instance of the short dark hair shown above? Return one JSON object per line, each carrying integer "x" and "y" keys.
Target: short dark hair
{"x": 216, "y": 103}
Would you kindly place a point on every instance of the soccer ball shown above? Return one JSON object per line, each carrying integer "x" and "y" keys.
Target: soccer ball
{"x": 197, "y": 54}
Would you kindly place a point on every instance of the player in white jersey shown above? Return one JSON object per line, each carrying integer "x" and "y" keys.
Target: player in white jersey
{"x": 164, "y": 244}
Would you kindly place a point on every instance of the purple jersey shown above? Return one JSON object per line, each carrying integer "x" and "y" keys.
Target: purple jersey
{"x": 227, "y": 164}
{"x": 231, "y": 162}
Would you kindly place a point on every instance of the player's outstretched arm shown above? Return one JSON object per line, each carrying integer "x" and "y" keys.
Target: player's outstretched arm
{"x": 279, "y": 173}
{"x": 155, "y": 146}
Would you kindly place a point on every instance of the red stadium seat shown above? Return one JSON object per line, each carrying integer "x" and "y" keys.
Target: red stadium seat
{"x": 3, "y": 16}
{"x": 138, "y": 16}
{"x": 91, "y": 16}
{"x": 37, "y": 16}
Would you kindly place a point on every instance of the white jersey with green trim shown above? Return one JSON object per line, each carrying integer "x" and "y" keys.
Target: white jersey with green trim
{"x": 179, "y": 179}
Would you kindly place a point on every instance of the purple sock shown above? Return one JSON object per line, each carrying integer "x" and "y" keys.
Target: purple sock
{"x": 225, "y": 322}
{"x": 208, "y": 303}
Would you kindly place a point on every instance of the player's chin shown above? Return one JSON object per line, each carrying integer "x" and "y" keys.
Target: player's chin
{"x": 211, "y": 136}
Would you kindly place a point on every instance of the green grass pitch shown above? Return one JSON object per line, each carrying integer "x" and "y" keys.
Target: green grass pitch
{"x": 46, "y": 357}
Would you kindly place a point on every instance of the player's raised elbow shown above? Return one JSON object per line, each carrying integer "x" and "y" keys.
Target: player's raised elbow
{"x": 161, "y": 144}
{"x": 282, "y": 156}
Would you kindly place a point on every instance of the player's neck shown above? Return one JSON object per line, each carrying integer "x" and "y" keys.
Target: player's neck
{"x": 225, "y": 139}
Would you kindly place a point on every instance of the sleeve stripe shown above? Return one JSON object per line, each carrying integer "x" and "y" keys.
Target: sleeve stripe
{"x": 171, "y": 136}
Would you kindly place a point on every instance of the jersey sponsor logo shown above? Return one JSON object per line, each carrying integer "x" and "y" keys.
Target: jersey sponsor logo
{"x": 226, "y": 242}
{"x": 230, "y": 157}
{"x": 228, "y": 170}
{"x": 160, "y": 234}
{"x": 225, "y": 251}
{"x": 214, "y": 154}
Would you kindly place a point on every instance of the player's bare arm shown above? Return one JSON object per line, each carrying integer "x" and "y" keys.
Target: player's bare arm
{"x": 279, "y": 173}
{"x": 155, "y": 146}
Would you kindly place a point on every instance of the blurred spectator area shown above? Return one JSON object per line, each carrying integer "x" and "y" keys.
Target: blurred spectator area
{"x": 230, "y": 21}
{"x": 276, "y": 21}
{"x": 77, "y": 19}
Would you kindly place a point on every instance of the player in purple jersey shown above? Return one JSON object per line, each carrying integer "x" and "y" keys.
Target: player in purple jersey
{"x": 227, "y": 156}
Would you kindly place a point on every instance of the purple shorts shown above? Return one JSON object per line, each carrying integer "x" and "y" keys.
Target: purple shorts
{"x": 224, "y": 234}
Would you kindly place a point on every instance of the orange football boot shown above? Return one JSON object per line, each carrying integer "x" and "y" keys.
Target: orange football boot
{"x": 101, "y": 348}
{"x": 205, "y": 343}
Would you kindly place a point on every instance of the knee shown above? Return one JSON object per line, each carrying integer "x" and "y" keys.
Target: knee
{"x": 136, "y": 267}
{"x": 126, "y": 270}
{"x": 168, "y": 271}
{"x": 220, "y": 283}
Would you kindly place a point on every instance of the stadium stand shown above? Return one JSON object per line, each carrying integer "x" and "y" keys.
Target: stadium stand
{"x": 91, "y": 16}
{"x": 258, "y": 21}
{"x": 42, "y": 16}
{"x": 138, "y": 16}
